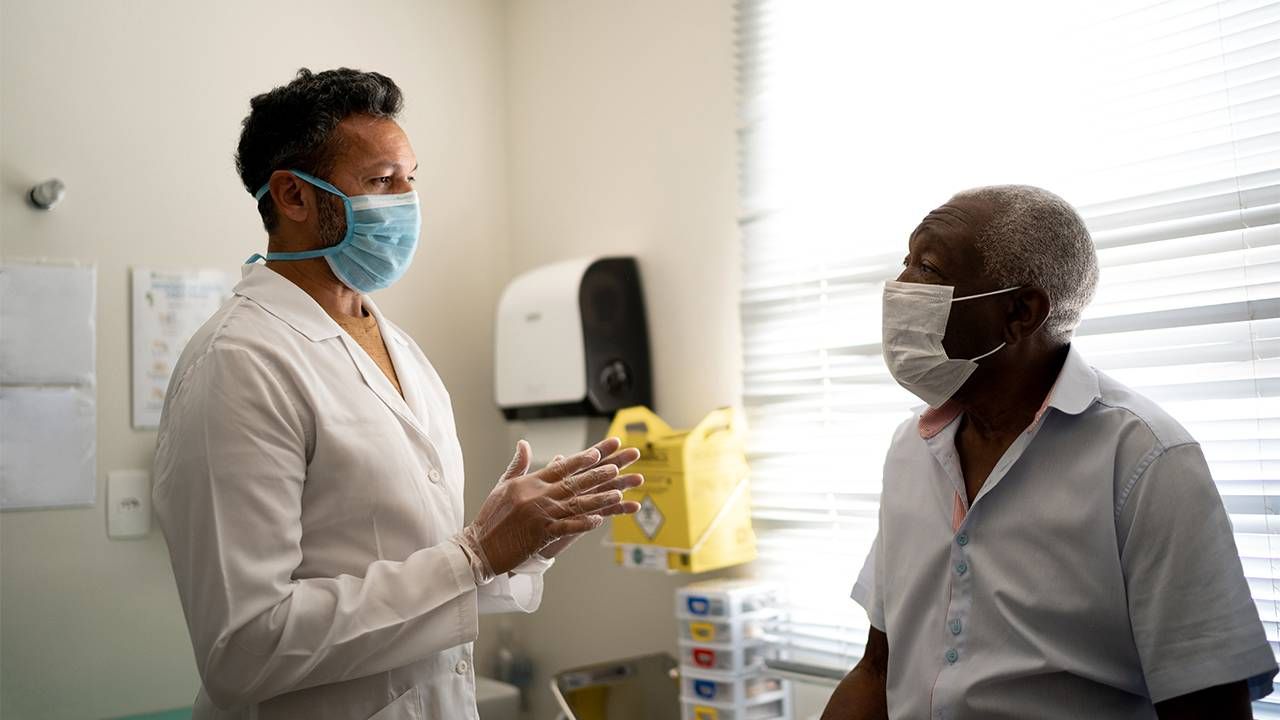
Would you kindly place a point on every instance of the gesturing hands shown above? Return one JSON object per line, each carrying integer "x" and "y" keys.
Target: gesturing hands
{"x": 527, "y": 511}
{"x": 622, "y": 459}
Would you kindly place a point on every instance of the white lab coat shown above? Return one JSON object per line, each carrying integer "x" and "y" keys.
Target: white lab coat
{"x": 308, "y": 509}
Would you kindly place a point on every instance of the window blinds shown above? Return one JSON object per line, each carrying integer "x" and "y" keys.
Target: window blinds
{"x": 1160, "y": 121}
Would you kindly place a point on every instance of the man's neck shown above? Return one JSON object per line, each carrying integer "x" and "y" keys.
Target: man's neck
{"x": 316, "y": 279}
{"x": 1007, "y": 403}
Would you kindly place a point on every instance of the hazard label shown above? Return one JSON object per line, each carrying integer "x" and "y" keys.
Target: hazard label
{"x": 649, "y": 517}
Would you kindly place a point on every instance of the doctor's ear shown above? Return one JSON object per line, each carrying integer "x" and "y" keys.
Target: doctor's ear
{"x": 293, "y": 198}
{"x": 1029, "y": 309}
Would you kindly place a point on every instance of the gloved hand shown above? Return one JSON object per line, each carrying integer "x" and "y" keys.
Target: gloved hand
{"x": 525, "y": 512}
{"x": 622, "y": 459}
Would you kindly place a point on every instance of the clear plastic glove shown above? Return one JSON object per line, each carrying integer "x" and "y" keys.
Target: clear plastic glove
{"x": 622, "y": 459}
{"x": 525, "y": 512}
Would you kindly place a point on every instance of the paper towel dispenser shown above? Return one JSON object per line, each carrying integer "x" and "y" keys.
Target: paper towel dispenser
{"x": 572, "y": 340}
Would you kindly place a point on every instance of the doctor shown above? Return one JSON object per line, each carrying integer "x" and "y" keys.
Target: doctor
{"x": 308, "y": 474}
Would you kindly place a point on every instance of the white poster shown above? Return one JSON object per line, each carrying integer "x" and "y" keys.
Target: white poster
{"x": 46, "y": 324}
{"x": 47, "y": 439}
{"x": 168, "y": 307}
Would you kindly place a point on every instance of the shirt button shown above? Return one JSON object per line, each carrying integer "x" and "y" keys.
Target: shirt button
{"x": 952, "y": 656}
{"x": 461, "y": 667}
{"x": 962, "y": 567}
{"x": 434, "y": 475}
{"x": 962, "y": 539}
{"x": 956, "y": 627}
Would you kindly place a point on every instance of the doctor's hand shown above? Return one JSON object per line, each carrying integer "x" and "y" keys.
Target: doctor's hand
{"x": 525, "y": 512}
{"x": 622, "y": 459}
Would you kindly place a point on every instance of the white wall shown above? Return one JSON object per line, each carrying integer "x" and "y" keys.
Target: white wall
{"x": 621, "y": 121}
{"x": 546, "y": 129}
{"x": 136, "y": 106}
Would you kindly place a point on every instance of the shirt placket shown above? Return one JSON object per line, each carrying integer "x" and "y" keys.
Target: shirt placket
{"x": 946, "y": 691}
{"x": 951, "y": 646}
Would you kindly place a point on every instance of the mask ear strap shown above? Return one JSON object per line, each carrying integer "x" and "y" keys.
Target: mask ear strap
{"x": 312, "y": 179}
{"x": 997, "y": 349}
{"x": 322, "y": 252}
{"x": 303, "y": 255}
{"x": 987, "y": 294}
{"x": 305, "y": 177}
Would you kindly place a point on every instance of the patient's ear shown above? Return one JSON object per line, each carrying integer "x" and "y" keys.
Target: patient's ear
{"x": 1028, "y": 311}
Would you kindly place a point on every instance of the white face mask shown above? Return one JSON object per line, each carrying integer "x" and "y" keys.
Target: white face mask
{"x": 915, "y": 321}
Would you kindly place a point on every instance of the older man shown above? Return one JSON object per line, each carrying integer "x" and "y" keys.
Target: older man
{"x": 308, "y": 474}
{"x": 1051, "y": 543}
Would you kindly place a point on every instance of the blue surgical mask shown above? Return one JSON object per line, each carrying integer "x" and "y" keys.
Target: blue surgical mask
{"x": 382, "y": 233}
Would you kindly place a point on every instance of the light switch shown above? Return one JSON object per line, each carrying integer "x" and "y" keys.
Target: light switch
{"x": 128, "y": 504}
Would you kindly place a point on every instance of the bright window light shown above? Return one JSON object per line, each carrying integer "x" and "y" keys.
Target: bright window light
{"x": 1159, "y": 121}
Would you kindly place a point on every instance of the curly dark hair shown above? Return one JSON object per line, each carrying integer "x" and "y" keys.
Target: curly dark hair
{"x": 291, "y": 126}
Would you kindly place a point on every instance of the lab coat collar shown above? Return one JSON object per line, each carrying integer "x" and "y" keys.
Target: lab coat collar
{"x": 292, "y": 305}
{"x": 286, "y": 301}
{"x": 413, "y": 402}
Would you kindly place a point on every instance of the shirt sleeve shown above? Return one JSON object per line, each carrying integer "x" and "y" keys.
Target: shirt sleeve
{"x": 868, "y": 590}
{"x": 520, "y": 591}
{"x": 230, "y": 470}
{"x": 1194, "y": 620}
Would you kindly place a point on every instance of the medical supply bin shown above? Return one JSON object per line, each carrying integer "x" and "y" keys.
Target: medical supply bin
{"x": 733, "y": 630}
{"x": 777, "y": 708}
{"x": 711, "y": 686}
{"x": 695, "y": 504}
{"x": 725, "y": 598}
{"x": 728, "y": 658}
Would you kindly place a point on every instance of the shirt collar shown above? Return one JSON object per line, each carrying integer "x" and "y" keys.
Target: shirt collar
{"x": 288, "y": 302}
{"x": 1077, "y": 386}
{"x": 1072, "y": 393}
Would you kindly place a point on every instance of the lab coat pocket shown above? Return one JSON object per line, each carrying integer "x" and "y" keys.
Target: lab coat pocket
{"x": 406, "y": 707}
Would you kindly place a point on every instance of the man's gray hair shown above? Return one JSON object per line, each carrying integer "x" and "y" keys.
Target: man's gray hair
{"x": 1035, "y": 238}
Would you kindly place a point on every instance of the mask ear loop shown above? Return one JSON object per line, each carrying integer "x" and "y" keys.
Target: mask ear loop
{"x": 321, "y": 252}
{"x": 987, "y": 294}
{"x": 997, "y": 349}
{"x": 1001, "y": 346}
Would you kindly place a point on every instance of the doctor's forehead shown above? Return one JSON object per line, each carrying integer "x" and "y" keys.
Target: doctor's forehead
{"x": 364, "y": 141}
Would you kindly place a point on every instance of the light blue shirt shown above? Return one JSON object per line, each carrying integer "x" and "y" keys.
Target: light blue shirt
{"x": 1094, "y": 574}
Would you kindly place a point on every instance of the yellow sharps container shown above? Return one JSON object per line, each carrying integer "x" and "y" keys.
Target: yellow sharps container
{"x": 695, "y": 505}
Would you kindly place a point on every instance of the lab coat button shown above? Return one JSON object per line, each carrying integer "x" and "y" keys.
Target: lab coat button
{"x": 956, "y": 627}
{"x": 962, "y": 539}
{"x": 461, "y": 667}
{"x": 952, "y": 656}
{"x": 434, "y": 475}
{"x": 962, "y": 567}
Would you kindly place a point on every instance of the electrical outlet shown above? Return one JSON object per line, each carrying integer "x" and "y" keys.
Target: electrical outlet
{"x": 128, "y": 504}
